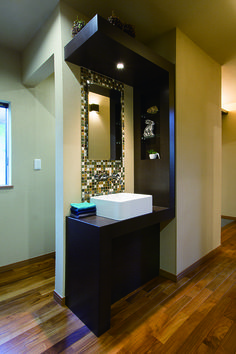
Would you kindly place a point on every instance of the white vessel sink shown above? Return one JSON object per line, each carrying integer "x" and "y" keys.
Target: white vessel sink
{"x": 122, "y": 206}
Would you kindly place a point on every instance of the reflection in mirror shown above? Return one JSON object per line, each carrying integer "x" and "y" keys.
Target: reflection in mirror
{"x": 104, "y": 124}
{"x": 99, "y": 127}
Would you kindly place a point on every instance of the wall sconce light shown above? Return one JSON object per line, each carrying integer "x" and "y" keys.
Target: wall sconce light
{"x": 93, "y": 107}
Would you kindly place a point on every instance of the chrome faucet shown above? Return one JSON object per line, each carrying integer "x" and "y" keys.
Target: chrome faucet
{"x": 105, "y": 176}
{"x": 102, "y": 176}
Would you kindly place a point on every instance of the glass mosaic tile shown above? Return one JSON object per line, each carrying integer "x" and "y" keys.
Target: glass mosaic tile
{"x": 90, "y": 186}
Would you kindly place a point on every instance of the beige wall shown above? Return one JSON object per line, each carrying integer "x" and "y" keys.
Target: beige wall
{"x": 196, "y": 228}
{"x": 228, "y": 164}
{"x": 198, "y": 152}
{"x": 27, "y": 211}
{"x": 129, "y": 139}
{"x": 45, "y": 53}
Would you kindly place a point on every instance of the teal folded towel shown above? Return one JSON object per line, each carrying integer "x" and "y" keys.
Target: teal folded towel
{"x": 83, "y": 206}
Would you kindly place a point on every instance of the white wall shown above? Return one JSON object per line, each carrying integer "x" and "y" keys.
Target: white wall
{"x": 27, "y": 211}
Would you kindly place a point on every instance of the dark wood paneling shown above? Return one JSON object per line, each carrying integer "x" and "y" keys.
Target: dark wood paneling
{"x": 156, "y": 177}
{"x": 135, "y": 260}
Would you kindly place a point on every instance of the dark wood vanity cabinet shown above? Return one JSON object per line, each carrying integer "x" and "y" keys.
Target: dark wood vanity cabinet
{"x": 106, "y": 260}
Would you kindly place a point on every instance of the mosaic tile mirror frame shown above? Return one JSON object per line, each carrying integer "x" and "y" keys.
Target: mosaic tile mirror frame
{"x": 90, "y": 169}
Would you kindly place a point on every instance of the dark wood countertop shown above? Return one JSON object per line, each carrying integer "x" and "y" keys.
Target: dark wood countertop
{"x": 158, "y": 215}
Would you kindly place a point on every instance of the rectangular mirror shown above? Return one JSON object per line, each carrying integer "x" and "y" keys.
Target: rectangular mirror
{"x": 104, "y": 123}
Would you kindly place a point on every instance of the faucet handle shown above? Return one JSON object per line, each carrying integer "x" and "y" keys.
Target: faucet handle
{"x": 101, "y": 176}
{"x": 114, "y": 176}
{"x": 97, "y": 177}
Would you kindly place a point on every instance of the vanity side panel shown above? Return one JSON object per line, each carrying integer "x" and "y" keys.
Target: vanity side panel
{"x": 87, "y": 291}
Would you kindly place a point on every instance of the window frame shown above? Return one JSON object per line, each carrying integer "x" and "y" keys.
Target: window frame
{"x": 8, "y": 162}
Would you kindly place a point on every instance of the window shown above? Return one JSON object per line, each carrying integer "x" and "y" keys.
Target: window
{"x": 5, "y": 139}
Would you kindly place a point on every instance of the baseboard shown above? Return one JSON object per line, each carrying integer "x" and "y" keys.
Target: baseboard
{"x": 27, "y": 262}
{"x": 60, "y": 300}
{"x": 191, "y": 268}
{"x": 228, "y": 217}
{"x": 163, "y": 273}
{"x": 198, "y": 263}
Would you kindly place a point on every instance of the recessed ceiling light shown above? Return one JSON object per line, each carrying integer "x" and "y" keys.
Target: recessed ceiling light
{"x": 120, "y": 66}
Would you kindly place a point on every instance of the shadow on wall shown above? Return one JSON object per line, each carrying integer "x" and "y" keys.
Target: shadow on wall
{"x": 225, "y": 222}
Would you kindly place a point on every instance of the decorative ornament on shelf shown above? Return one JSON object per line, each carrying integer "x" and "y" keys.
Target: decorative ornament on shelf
{"x": 115, "y": 21}
{"x": 148, "y": 131}
{"x": 126, "y": 27}
{"x": 77, "y": 26}
{"x": 152, "y": 110}
{"x": 129, "y": 29}
{"x": 153, "y": 154}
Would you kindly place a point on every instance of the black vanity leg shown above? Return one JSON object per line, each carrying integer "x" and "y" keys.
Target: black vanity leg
{"x": 88, "y": 288}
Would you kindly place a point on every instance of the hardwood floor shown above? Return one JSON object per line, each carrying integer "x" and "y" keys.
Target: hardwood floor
{"x": 195, "y": 315}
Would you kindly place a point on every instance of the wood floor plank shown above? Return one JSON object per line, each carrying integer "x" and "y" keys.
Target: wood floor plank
{"x": 217, "y": 334}
{"x": 197, "y": 301}
{"x": 228, "y": 343}
{"x": 171, "y": 327}
{"x": 204, "y": 327}
{"x": 20, "y": 287}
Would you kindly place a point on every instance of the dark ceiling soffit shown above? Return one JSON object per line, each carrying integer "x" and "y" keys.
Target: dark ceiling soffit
{"x": 100, "y": 45}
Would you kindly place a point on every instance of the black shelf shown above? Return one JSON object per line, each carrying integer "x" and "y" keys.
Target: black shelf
{"x": 100, "y": 45}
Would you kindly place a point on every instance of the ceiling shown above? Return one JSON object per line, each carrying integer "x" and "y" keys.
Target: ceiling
{"x": 210, "y": 24}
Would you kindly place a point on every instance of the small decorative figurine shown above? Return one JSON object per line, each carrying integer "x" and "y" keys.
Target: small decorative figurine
{"x": 148, "y": 131}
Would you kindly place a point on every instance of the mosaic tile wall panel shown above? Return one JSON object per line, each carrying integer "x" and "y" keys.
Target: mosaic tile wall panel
{"x": 90, "y": 169}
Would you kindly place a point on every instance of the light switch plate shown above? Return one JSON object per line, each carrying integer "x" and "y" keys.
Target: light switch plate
{"x": 37, "y": 164}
